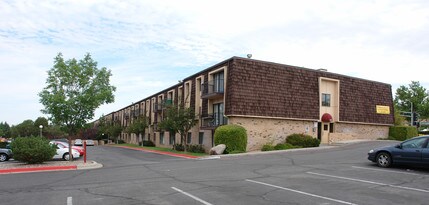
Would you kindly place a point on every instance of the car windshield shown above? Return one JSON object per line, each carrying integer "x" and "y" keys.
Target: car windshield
{"x": 416, "y": 143}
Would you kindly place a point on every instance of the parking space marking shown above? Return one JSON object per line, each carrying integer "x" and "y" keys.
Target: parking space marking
{"x": 69, "y": 200}
{"x": 369, "y": 182}
{"x": 192, "y": 196}
{"x": 301, "y": 192}
{"x": 383, "y": 170}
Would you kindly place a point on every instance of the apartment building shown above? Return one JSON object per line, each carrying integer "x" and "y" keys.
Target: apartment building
{"x": 271, "y": 101}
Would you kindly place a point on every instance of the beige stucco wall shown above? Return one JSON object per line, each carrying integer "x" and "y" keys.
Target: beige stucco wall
{"x": 261, "y": 131}
{"x": 350, "y": 131}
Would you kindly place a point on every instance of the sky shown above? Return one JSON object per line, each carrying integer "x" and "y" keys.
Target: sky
{"x": 151, "y": 45}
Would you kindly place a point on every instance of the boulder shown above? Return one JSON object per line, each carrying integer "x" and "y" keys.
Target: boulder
{"x": 218, "y": 149}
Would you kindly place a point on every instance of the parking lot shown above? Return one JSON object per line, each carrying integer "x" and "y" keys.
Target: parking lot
{"x": 338, "y": 175}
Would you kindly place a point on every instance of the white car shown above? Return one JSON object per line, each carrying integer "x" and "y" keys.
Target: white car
{"x": 89, "y": 142}
{"x": 78, "y": 142}
{"x": 63, "y": 152}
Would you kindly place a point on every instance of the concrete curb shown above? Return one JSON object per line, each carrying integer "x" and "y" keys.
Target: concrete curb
{"x": 46, "y": 168}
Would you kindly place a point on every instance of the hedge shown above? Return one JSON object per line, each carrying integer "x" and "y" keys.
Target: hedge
{"x": 32, "y": 150}
{"x": 402, "y": 133}
{"x": 233, "y": 136}
{"x": 302, "y": 140}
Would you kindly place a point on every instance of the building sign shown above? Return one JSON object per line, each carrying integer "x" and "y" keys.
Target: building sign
{"x": 381, "y": 109}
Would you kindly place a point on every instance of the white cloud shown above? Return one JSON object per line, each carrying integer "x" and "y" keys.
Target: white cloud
{"x": 149, "y": 45}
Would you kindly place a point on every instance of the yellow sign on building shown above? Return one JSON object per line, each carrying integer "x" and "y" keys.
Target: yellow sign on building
{"x": 381, "y": 109}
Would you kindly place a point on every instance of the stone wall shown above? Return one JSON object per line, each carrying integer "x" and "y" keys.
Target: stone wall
{"x": 349, "y": 131}
{"x": 261, "y": 131}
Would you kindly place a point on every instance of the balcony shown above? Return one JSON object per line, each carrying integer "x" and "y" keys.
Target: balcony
{"x": 211, "y": 121}
{"x": 158, "y": 107}
{"x": 212, "y": 89}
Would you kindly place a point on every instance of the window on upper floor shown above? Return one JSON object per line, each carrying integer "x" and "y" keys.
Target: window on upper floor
{"x": 218, "y": 79}
{"x": 326, "y": 99}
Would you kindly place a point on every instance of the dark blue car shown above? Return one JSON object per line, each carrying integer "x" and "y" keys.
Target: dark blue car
{"x": 414, "y": 151}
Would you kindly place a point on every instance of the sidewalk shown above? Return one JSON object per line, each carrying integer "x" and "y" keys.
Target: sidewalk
{"x": 186, "y": 156}
{"x": 12, "y": 166}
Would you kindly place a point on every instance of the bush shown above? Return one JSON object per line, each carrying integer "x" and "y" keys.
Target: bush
{"x": 233, "y": 136}
{"x": 302, "y": 140}
{"x": 267, "y": 147}
{"x": 402, "y": 133}
{"x": 179, "y": 147}
{"x": 3, "y": 144}
{"x": 32, "y": 150}
{"x": 195, "y": 148}
{"x": 285, "y": 146}
{"x": 121, "y": 142}
{"x": 147, "y": 143}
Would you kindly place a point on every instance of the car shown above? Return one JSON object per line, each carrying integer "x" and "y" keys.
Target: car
{"x": 5, "y": 154}
{"x": 66, "y": 145}
{"x": 89, "y": 142}
{"x": 63, "y": 152}
{"x": 414, "y": 151}
{"x": 78, "y": 142}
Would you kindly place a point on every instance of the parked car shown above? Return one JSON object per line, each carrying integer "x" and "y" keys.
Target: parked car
{"x": 5, "y": 154}
{"x": 414, "y": 151}
{"x": 89, "y": 142}
{"x": 78, "y": 142}
{"x": 66, "y": 145}
{"x": 63, "y": 152}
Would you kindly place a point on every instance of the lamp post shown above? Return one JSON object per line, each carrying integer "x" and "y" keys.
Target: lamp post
{"x": 41, "y": 127}
{"x": 102, "y": 137}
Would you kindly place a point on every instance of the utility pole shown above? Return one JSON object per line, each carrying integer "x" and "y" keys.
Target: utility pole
{"x": 412, "y": 115}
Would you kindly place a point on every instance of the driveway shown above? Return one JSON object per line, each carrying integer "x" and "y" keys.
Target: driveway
{"x": 340, "y": 175}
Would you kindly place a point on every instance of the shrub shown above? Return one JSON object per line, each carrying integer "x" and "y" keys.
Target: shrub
{"x": 233, "y": 136}
{"x": 302, "y": 140}
{"x": 267, "y": 147}
{"x": 121, "y": 142}
{"x": 32, "y": 150}
{"x": 402, "y": 133}
{"x": 283, "y": 146}
{"x": 179, "y": 147}
{"x": 195, "y": 148}
{"x": 3, "y": 144}
{"x": 147, "y": 143}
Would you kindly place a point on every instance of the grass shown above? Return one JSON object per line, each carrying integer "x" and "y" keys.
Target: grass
{"x": 163, "y": 149}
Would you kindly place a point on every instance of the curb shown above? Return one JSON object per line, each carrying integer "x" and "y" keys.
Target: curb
{"x": 37, "y": 169}
{"x": 161, "y": 152}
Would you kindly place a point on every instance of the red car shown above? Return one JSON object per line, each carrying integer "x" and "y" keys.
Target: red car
{"x": 66, "y": 145}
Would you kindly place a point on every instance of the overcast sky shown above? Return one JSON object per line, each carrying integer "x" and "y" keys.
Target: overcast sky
{"x": 150, "y": 45}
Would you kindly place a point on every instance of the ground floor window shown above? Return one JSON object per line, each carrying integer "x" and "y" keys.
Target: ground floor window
{"x": 201, "y": 138}
{"x": 172, "y": 138}
{"x": 161, "y": 138}
{"x": 189, "y": 139}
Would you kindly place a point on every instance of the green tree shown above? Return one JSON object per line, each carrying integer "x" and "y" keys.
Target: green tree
{"x": 25, "y": 129}
{"x": 415, "y": 94}
{"x": 74, "y": 90}
{"x": 138, "y": 126}
{"x": 113, "y": 131}
{"x": 178, "y": 119}
{"x": 4, "y": 129}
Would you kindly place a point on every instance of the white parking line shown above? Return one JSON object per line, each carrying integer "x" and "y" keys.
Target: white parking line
{"x": 369, "y": 182}
{"x": 69, "y": 200}
{"x": 384, "y": 170}
{"x": 192, "y": 196}
{"x": 301, "y": 192}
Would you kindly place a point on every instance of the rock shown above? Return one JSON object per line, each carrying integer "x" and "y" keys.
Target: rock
{"x": 217, "y": 150}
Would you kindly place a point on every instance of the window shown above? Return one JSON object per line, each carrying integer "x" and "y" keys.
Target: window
{"x": 326, "y": 99}
{"x": 218, "y": 114}
{"x": 201, "y": 138}
{"x": 189, "y": 139}
{"x": 172, "y": 138}
{"x": 416, "y": 143}
{"x": 161, "y": 138}
{"x": 218, "y": 82}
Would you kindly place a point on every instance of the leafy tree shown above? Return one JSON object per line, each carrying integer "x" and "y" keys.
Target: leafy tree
{"x": 138, "y": 126}
{"x": 4, "y": 129}
{"x": 415, "y": 94}
{"x": 399, "y": 120}
{"x": 178, "y": 119}
{"x": 113, "y": 131}
{"x": 25, "y": 129}
{"x": 74, "y": 90}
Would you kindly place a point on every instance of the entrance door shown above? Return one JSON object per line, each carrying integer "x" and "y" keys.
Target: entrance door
{"x": 325, "y": 133}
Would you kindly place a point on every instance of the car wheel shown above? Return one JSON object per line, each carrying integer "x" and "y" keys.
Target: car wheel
{"x": 384, "y": 159}
{"x": 66, "y": 157}
{"x": 3, "y": 157}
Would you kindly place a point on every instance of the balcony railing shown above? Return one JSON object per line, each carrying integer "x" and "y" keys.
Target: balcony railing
{"x": 158, "y": 107}
{"x": 213, "y": 120}
{"x": 212, "y": 89}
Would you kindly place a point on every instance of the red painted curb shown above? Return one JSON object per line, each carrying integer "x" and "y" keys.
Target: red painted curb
{"x": 36, "y": 169}
{"x": 161, "y": 152}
